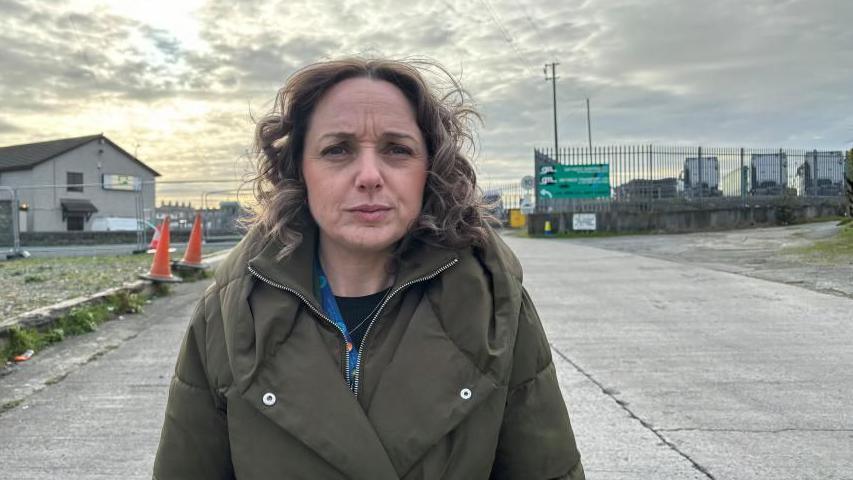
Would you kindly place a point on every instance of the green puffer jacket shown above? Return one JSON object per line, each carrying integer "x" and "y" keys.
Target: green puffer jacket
{"x": 456, "y": 378}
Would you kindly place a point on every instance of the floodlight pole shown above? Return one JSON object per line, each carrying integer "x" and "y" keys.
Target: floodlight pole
{"x": 553, "y": 79}
{"x": 588, "y": 126}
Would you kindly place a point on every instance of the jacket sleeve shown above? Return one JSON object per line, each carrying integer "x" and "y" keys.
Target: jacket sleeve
{"x": 194, "y": 440}
{"x": 536, "y": 440}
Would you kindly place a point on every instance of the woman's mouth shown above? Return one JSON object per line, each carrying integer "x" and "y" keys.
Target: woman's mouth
{"x": 370, "y": 213}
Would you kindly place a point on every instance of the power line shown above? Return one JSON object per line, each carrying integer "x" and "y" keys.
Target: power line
{"x": 527, "y": 16}
{"x": 508, "y": 37}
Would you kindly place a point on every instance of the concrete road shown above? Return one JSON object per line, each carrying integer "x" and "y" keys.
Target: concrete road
{"x": 670, "y": 371}
{"x": 93, "y": 405}
{"x": 678, "y": 371}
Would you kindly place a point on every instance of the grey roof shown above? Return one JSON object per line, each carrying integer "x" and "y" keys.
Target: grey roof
{"x": 21, "y": 157}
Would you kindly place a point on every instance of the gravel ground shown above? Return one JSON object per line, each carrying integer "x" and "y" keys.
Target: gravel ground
{"x": 31, "y": 283}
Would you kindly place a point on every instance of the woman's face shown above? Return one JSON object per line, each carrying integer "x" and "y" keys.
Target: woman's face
{"x": 365, "y": 166}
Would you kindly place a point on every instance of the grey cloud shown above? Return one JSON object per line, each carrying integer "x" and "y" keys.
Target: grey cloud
{"x": 762, "y": 72}
{"x": 8, "y": 127}
{"x": 69, "y": 57}
{"x": 168, "y": 45}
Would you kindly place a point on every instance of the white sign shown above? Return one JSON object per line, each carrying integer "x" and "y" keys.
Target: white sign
{"x": 527, "y": 206}
{"x": 583, "y": 221}
{"x": 128, "y": 183}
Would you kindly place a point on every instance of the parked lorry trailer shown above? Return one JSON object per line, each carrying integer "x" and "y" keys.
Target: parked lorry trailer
{"x": 822, "y": 173}
{"x": 701, "y": 177}
{"x": 768, "y": 173}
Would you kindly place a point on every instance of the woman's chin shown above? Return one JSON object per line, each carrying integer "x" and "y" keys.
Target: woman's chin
{"x": 369, "y": 240}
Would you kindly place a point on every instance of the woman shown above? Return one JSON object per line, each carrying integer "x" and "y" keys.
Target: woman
{"x": 370, "y": 325}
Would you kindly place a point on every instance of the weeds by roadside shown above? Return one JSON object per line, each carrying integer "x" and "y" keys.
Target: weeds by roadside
{"x": 86, "y": 318}
{"x": 31, "y": 283}
{"x": 838, "y": 249}
{"x": 76, "y": 322}
{"x": 35, "y": 282}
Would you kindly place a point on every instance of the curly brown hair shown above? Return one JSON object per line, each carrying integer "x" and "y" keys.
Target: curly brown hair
{"x": 453, "y": 214}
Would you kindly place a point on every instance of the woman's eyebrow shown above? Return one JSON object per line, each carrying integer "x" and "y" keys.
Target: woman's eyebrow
{"x": 399, "y": 136}
{"x": 337, "y": 136}
{"x": 393, "y": 135}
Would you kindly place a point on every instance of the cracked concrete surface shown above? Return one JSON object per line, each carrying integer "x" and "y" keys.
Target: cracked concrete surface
{"x": 649, "y": 458}
{"x": 741, "y": 377}
{"x": 91, "y": 407}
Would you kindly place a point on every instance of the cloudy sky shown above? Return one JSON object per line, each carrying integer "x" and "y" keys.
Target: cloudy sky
{"x": 179, "y": 81}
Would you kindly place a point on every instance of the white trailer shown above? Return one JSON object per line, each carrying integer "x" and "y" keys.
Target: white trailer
{"x": 822, "y": 173}
{"x": 701, "y": 177}
{"x": 768, "y": 173}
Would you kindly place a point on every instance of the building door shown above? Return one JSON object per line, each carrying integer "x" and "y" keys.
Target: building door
{"x": 75, "y": 223}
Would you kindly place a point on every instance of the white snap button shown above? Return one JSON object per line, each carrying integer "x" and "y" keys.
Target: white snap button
{"x": 269, "y": 399}
{"x": 465, "y": 393}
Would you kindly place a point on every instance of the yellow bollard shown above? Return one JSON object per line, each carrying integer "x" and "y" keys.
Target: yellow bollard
{"x": 516, "y": 218}
{"x": 548, "y": 227}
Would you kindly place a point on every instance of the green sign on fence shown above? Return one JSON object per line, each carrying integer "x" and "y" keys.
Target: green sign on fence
{"x": 573, "y": 181}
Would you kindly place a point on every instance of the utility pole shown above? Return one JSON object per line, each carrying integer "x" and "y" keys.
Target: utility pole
{"x": 553, "y": 79}
{"x": 588, "y": 126}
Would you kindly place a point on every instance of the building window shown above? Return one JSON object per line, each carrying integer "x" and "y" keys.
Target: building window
{"x": 75, "y": 223}
{"x": 74, "y": 181}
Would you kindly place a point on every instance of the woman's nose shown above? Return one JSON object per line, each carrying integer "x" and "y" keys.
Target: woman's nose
{"x": 369, "y": 174}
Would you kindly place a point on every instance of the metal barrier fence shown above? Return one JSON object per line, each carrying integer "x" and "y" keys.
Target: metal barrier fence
{"x": 10, "y": 240}
{"x": 85, "y": 207}
{"x": 508, "y": 194}
{"x": 662, "y": 178}
{"x": 849, "y": 182}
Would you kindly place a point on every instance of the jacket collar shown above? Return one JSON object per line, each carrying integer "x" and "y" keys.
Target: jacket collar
{"x": 297, "y": 269}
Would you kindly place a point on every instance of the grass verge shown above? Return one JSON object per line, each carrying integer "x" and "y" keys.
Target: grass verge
{"x": 76, "y": 322}
{"x": 30, "y": 283}
{"x": 837, "y": 249}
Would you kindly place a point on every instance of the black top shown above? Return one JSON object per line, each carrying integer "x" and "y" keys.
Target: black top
{"x": 355, "y": 310}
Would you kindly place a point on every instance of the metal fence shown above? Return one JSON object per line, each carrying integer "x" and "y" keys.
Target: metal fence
{"x": 653, "y": 177}
{"x": 508, "y": 195}
{"x": 88, "y": 207}
{"x": 10, "y": 243}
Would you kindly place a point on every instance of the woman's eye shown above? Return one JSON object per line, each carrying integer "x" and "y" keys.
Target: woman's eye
{"x": 400, "y": 150}
{"x": 335, "y": 150}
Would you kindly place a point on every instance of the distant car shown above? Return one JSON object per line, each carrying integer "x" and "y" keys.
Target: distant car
{"x": 118, "y": 224}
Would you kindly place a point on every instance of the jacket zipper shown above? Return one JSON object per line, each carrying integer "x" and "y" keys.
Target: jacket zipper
{"x": 372, "y": 320}
{"x": 320, "y": 314}
{"x": 379, "y": 311}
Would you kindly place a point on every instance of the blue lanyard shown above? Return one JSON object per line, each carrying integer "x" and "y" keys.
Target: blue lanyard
{"x": 330, "y": 306}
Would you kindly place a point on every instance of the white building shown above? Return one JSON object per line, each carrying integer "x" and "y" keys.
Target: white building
{"x": 63, "y": 185}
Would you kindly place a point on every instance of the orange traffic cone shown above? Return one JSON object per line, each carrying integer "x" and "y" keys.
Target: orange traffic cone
{"x": 155, "y": 240}
{"x": 192, "y": 257}
{"x": 161, "y": 271}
